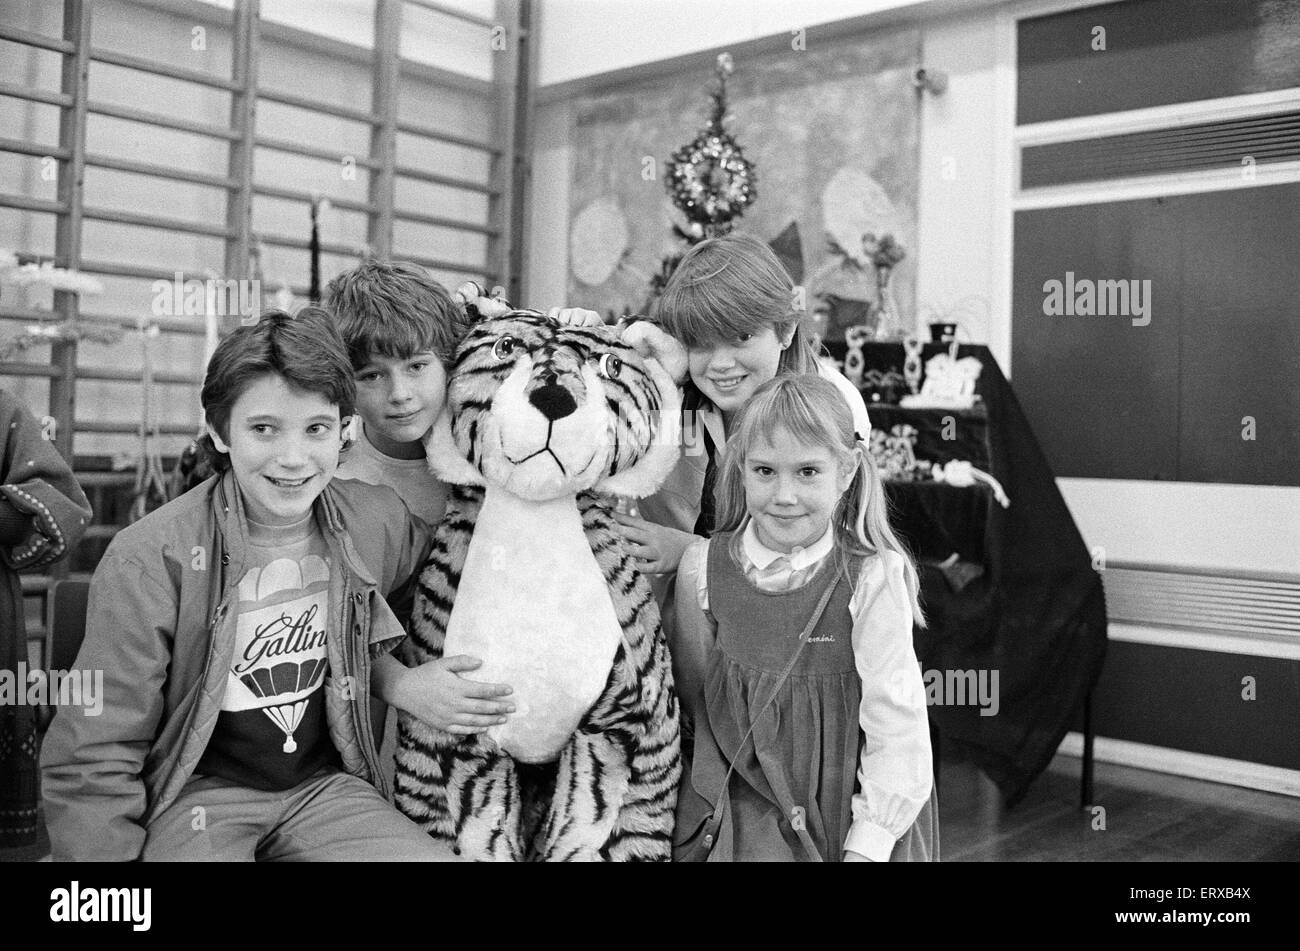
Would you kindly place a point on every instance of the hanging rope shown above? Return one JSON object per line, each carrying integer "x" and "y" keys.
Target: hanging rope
{"x": 318, "y": 204}
{"x": 150, "y": 481}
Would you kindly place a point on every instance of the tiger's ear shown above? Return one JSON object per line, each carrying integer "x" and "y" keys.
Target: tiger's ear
{"x": 445, "y": 459}
{"x": 649, "y": 473}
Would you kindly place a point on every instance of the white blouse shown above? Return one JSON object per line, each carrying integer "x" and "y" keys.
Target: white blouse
{"x": 895, "y": 772}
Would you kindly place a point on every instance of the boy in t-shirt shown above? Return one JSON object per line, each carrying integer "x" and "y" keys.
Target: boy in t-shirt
{"x": 401, "y": 329}
{"x": 236, "y": 629}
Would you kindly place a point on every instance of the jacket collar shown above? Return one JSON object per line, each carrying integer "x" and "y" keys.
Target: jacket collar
{"x": 232, "y": 526}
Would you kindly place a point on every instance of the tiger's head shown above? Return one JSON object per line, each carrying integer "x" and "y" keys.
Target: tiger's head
{"x": 546, "y": 410}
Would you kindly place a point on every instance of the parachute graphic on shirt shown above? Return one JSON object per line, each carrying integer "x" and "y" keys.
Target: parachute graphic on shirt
{"x": 280, "y": 658}
{"x": 281, "y": 680}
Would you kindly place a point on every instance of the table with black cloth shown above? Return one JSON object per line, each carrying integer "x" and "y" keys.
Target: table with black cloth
{"x": 1036, "y": 614}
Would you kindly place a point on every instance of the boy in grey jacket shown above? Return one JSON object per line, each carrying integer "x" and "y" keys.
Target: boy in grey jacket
{"x": 236, "y": 628}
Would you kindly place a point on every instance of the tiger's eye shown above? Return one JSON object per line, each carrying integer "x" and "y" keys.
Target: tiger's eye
{"x": 610, "y": 366}
{"x": 503, "y": 348}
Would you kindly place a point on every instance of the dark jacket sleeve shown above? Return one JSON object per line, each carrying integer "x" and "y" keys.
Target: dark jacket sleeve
{"x": 37, "y": 483}
{"x": 92, "y": 760}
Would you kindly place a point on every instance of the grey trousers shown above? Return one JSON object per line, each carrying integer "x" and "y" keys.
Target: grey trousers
{"x": 332, "y": 817}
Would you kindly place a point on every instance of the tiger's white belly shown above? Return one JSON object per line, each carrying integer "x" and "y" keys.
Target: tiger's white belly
{"x": 533, "y": 605}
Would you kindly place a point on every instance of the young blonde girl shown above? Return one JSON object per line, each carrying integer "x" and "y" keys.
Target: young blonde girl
{"x": 838, "y": 762}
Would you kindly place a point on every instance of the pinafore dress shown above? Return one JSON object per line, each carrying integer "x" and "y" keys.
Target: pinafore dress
{"x": 792, "y": 787}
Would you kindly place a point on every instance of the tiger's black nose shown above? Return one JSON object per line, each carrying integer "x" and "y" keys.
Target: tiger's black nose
{"x": 552, "y": 400}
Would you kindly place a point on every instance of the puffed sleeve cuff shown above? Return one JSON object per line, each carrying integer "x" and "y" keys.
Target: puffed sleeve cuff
{"x": 870, "y": 840}
{"x": 693, "y": 570}
{"x": 46, "y": 543}
{"x": 14, "y": 525}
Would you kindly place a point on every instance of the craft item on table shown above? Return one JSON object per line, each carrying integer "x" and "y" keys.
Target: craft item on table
{"x": 895, "y": 454}
{"x": 949, "y": 383}
{"x": 960, "y": 473}
{"x": 948, "y": 321}
{"x": 912, "y": 362}
{"x": 854, "y": 360}
{"x": 943, "y": 332}
{"x": 882, "y": 387}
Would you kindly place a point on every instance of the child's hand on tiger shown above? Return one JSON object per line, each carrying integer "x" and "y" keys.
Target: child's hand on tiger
{"x": 437, "y": 694}
{"x": 656, "y": 548}
{"x": 575, "y": 317}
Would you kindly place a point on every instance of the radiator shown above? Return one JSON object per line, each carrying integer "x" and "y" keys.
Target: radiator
{"x": 1255, "y": 605}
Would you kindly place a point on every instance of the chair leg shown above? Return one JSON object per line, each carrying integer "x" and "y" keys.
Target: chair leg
{"x": 1085, "y": 786}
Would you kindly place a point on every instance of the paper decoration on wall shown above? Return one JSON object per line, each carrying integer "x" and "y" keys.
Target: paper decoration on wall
{"x": 598, "y": 238}
{"x": 789, "y": 251}
{"x": 854, "y": 204}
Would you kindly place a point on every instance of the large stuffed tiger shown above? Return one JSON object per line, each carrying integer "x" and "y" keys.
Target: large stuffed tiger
{"x": 543, "y": 423}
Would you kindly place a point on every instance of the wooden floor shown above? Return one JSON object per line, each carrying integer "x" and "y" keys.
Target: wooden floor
{"x": 1148, "y": 817}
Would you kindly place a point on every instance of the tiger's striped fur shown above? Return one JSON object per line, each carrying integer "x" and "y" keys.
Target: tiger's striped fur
{"x": 611, "y": 794}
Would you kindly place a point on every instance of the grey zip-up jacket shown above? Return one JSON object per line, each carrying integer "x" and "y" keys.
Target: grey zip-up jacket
{"x": 161, "y": 628}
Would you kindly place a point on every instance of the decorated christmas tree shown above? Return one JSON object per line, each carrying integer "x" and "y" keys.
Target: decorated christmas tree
{"x": 709, "y": 180}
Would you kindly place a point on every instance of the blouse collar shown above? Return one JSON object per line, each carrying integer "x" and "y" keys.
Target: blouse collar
{"x": 760, "y": 556}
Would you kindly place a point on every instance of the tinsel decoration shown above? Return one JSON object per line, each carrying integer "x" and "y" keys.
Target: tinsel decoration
{"x": 709, "y": 178}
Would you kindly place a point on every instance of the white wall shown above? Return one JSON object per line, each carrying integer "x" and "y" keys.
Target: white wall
{"x": 546, "y": 275}
{"x": 962, "y": 249}
{"x": 586, "y": 37}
